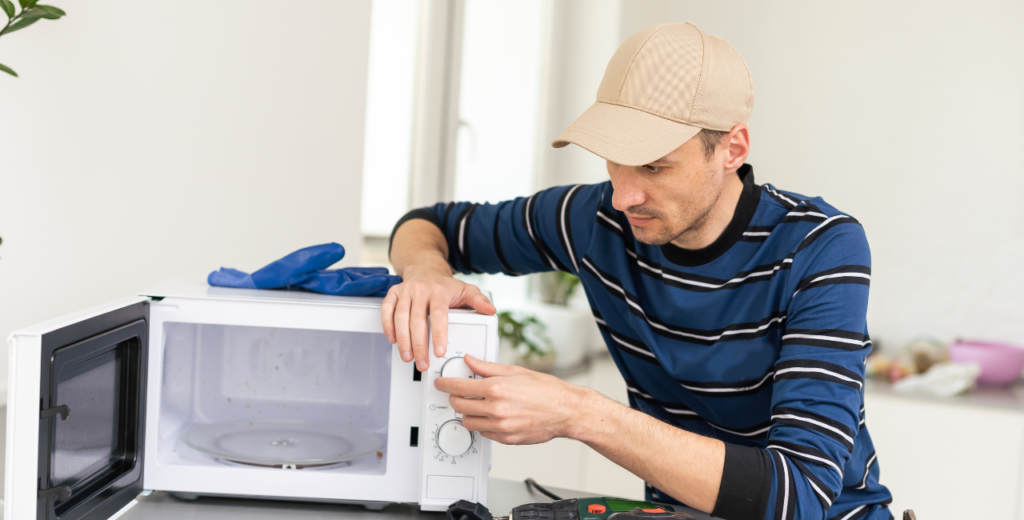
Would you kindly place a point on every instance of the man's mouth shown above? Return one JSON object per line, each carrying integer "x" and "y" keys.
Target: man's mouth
{"x": 638, "y": 221}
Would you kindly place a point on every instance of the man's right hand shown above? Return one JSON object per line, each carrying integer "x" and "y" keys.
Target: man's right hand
{"x": 426, "y": 291}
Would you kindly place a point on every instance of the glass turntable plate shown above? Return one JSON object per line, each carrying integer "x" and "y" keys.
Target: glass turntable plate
{"x": 281, "y": 443}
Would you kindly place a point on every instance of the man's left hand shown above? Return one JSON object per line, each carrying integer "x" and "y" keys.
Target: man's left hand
{"x": 513, "y": 405}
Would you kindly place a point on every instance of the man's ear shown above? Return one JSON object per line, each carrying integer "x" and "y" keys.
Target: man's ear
{"x": 738, "y": 142}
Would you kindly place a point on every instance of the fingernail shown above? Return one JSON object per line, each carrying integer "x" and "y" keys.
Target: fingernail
{"x": 469, "y": 356}
{"x": 406, "y": 357}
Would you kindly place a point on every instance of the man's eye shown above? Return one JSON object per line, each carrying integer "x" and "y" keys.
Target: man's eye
{"x": 653, "y": 169}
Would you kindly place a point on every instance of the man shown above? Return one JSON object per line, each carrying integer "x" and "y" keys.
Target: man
{"x": 735, "y": 312}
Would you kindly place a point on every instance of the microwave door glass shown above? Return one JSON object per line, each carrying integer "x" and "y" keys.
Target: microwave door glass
{"x": 91, "y": 440}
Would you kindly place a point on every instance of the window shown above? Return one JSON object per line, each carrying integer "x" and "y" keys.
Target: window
{"x": 498, "y": 100}
{"x": 499, "y": 95}
{"x": 477, "y": 83}
{"x": 389, "y": 114}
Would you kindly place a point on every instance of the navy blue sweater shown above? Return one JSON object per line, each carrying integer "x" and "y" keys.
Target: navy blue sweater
{"x": 757, "y": 340}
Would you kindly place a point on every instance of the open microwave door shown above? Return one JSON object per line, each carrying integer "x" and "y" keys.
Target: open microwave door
{"x": 76, "y": 414}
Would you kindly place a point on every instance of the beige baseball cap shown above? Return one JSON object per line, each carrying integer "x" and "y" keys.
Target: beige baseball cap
{"x": 663, "y": 85}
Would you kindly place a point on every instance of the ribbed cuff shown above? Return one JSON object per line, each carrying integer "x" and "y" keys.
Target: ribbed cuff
{"x": 746, "y": 484}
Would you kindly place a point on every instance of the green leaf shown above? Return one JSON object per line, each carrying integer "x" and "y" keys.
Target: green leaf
{"x": 35, "y": 13}
{"x": 8, "y": 70}
{"x": 8, "y": 7}
{"x": 30, "y": 14}
{"x": 30, "y": 3}
{"x": 22, "y": 2}
{"x": 51, "y": 10}
{"x": 19, "y": 25}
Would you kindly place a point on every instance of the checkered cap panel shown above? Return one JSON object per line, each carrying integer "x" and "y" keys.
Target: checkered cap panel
{"x": 662, "y": 79}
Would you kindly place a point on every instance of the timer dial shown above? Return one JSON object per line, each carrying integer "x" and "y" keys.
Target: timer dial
{"x": 456, "y": 367}
{"x": 453, "y": 438}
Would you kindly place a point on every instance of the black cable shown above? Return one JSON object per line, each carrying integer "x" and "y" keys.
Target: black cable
{"x": 530, "y": 483}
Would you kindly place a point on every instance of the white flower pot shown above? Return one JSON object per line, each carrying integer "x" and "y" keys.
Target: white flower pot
{"x": 510, "y": 356}
{"x": 595, "y": 344}
{"x": 569, "y": 330}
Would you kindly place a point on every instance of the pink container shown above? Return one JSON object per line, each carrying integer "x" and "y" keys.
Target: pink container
{"x": 1001, "y": 364}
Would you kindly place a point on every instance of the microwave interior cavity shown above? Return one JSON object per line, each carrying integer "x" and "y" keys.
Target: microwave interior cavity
{"x": 279, "y": 398}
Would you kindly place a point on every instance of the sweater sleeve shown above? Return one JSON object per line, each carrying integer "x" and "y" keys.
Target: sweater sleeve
{"x": 520, "y": 236}
{"x": 817, "y": 395}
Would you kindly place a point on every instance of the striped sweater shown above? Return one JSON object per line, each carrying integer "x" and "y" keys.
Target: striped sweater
{"x": 757, "y": 340}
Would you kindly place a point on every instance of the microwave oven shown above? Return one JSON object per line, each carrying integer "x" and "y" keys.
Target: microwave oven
{"x": 199, "y": 390}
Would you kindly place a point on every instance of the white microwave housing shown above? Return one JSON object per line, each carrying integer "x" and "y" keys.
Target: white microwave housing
{"x": 207, "y": 354}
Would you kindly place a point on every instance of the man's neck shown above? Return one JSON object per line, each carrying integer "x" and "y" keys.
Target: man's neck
{"x": 716, "y": 220}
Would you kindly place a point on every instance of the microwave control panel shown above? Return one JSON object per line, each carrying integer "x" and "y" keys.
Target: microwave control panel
{"x": 455, "y": 460}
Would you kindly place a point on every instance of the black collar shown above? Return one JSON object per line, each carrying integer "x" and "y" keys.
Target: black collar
{"x": 745, "y": 209}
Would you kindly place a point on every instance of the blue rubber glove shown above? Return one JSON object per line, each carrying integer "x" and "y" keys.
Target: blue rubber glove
{"x": 307, "y": 269}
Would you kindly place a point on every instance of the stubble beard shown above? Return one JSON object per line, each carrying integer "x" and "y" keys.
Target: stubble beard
{"x": 667, "y": 235}
{"x": 694, "y": 225}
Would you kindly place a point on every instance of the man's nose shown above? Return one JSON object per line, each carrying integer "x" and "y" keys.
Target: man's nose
{"x": 627, "y": 192}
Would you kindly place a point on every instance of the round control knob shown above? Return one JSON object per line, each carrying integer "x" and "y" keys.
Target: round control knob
{"x": 456, "y": 367}
{"x": 453, "y": 438}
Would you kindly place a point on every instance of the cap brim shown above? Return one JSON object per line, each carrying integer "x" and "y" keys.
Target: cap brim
{"x": 625, "y": 135}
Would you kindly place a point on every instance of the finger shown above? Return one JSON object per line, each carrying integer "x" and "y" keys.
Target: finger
{"x": 402, "y": 327}
{"x": 461, "y": 387}
{"x": 418, "y": 329}
{"x": 496, "y": 437}
{"x": 439, "y": 323}
{"x": 466, "y": 406}
{"x": 513, "y": 439}
{"x": 481, "y": 424}
{"x": 488, "y": 369}
{"x": 480, "y": 303}
{"x": 387, "y": 315}
{"x": 504, "y": 428}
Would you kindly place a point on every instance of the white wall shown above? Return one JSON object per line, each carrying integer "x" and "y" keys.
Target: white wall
{"x": 149, "y": 139}
{"x": 907, "y": 115}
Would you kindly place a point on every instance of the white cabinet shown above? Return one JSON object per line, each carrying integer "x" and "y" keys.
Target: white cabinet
{"x": 948, "y": 459}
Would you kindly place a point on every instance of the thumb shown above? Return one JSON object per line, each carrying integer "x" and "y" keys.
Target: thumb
{"x": 486, "y": 368}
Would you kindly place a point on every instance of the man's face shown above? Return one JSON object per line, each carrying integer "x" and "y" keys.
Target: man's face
{"x": 668, "y": 198}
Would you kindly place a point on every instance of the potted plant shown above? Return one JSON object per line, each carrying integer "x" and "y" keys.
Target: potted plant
{"x": 30, "y": 13}
{"x": 523, "y": 341}
{"x": 570, "y": 328}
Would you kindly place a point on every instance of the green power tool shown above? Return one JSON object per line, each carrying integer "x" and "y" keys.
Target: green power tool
{"x": 596, "y": 508}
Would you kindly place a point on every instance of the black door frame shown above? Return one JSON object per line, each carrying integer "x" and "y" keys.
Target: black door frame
{"x": 91, "y": 337}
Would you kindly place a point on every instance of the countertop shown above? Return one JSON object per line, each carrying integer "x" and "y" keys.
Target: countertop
{"x": 1009, "y": 398}
{"x": 502, "y": 496}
